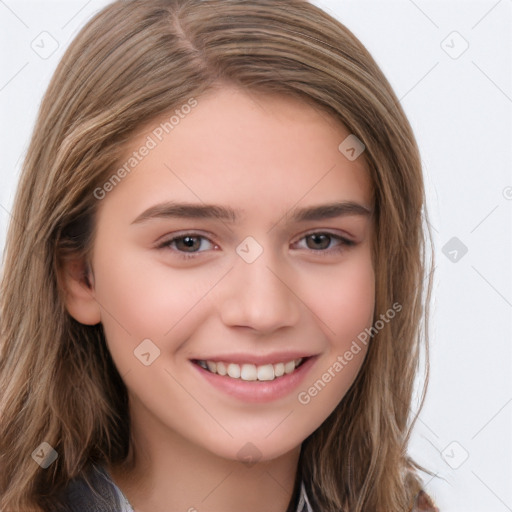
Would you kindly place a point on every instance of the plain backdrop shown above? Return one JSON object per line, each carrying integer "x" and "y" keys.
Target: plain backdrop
{"x": 449, "y": 63}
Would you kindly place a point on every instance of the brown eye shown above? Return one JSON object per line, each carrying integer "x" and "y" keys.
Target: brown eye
{"x": 322, "y": 243}
{"x": 188, "y": 243}
{"x": 318, "y": 241}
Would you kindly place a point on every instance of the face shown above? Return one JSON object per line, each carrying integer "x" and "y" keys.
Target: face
{"x": 218, "y": 250}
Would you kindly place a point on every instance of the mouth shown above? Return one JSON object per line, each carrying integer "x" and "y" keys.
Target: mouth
{"x": 256, "y": 379}
{"x": 249, "y": 371}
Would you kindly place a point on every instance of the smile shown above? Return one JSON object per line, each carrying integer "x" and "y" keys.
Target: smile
{"x": 250, "y": 372}
{"x": 251, "y": 378}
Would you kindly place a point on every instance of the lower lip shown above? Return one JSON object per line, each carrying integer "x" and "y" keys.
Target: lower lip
{"x": 258, "y": 391}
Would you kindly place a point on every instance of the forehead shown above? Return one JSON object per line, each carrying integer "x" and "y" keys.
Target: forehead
{"x": 243, "y": 149}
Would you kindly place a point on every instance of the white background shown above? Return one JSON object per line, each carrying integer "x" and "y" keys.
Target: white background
{"x": 459, "y": 104}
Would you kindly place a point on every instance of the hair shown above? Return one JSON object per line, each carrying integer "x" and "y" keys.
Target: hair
{"x": 132, "y": 62}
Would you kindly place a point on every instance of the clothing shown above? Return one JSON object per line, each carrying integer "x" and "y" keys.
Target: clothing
{"x": 105, "y": 496}
{"x": 102, "y": 495}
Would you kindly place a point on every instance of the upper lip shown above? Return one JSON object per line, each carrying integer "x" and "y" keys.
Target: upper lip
{"x": 258, "y": 360}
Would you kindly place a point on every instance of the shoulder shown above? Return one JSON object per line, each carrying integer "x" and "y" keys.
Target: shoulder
{"x": 424, "y": 503}
{"x": 94, "y": 491}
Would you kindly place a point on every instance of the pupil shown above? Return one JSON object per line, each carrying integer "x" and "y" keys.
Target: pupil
{"x": 319, "y": 239}
{"x": 190, "y": 242}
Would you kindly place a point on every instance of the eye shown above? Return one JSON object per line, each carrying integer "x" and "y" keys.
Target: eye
{"x": 321, "y": 242}
{"x": 188, "y": 244}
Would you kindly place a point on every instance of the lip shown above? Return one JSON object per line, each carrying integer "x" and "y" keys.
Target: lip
{"x": 258, "y": 391}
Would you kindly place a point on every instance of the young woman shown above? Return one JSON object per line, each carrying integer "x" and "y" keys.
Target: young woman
{"x": 213, "y": 288}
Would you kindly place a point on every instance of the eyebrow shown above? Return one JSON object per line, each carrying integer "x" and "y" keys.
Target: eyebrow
{"x": 171, "y": 209}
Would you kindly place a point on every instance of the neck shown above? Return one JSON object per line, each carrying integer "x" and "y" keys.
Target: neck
{"x": 169, "y": 473}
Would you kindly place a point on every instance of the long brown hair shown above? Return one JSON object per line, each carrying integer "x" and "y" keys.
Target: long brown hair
{"x": 132, "y": 62}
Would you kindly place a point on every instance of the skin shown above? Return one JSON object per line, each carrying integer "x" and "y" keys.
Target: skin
{"x": 265, "y": 155}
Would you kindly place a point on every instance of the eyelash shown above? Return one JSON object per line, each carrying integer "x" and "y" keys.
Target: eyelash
{"x": 344, "y": 243}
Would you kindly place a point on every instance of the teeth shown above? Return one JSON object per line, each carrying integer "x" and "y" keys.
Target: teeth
{"x": 279, "y": 369}
{"x": 234, "y": 370}
{"x": 250, "y": 372}
{"x": 221, "y": 368}
{"x": 266, "y": 372}
{"x": 289, "y": 367}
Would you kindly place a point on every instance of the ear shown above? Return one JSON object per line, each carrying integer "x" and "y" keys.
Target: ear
{"x": 77, "y": 282}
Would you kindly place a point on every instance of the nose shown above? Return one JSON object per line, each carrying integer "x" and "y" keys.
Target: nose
{"x": 259, "y": 295}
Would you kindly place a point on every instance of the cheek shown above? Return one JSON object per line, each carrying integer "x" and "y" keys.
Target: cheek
{"x": 344, "y": 298}
{"x": 345, "y": 307}
{"x": 142, "y": 298}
